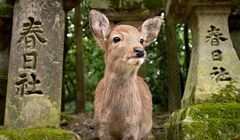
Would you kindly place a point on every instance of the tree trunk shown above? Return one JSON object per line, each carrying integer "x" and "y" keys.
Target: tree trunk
{"x": 80, "y": 94}
{"x": 185, "y": 67}
{"x": 66, "y": 48}
{"x": 187, "y": 48}
{"x": 5, "y": 39}
{"x": 174, "y": 95}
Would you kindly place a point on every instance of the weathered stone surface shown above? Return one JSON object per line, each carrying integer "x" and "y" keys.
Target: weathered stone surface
{"x": 205, "y": 122}
{"x": 128, "y": 10}
{"x": 214, "y": 69}
{"x": 126, "y": 4}
{"x": 35, "y": 68}
{"x": 180, "y": 10}
{"x": 38, "y": 134}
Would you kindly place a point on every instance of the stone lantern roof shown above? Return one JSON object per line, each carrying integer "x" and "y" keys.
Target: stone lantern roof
{"x": 180, "y": 10}
{"x": 130, "y": 10}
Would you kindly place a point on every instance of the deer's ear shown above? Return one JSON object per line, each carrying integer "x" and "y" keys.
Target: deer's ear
{"x": 150, "y": 29}
{"x": 100, "y": 27}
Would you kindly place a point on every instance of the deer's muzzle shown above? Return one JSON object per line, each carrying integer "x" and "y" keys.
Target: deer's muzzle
{"x": 139, "y": 52}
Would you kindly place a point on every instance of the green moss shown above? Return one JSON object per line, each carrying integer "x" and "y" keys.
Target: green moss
{"x": 32, "y": 112}
{"x": 228, "y": 94}
{"x": 65, "y": 117}
{"x": 189, "y": 99}
{"x": 217, "y": 110}
{"x": 6, "y": 10}
{"x": 210, "y": 121}
{"x": 114, "y": 4}
{"x": 193, "y": 95}
{"x": 125, "y": 5}
{"x": 153, "y": 4}
{"x": 38, "y": 134}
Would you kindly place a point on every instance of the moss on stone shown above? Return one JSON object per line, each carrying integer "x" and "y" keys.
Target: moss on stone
{"x": 125, "y": 5}
{"x": 228, "y": 94}
{"x": 192, "y": 96}
{"x": 38, "y": 134}
{"x": 6, "y": 10}
{"x": 114, "y": 4}
{"x": 153, "y": 4}
{"x": 217, "y": 110}
{"x": 32, "y": 112}
{"x": 189, "y": 99}
{"x": 209, "y": 121}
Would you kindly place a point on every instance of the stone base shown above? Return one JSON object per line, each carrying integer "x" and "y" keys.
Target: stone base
{"x": 38, "y": 134}
{"x": 219, "y": 121}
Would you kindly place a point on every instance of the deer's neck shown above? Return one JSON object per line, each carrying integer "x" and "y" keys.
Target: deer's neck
{"x": 122, "y": 78}
{"x": 121, "y": 83}
{"x": 121, "y": 93}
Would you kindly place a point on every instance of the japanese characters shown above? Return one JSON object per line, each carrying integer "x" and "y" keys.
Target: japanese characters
{"x": 28, "y": 82}
{"x": 215, "y": 37}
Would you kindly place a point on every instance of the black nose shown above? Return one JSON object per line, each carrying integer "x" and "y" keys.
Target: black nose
{"x": 139, "y": 52}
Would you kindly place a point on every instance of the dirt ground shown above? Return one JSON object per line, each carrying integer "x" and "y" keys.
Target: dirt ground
{"x": 83, "y": 125}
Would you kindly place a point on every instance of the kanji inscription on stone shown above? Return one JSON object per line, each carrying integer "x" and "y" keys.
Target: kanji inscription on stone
{"x": 220, "y": 74}
{"x": 31, "y": 31}
{"x": 215, "y": 36}
{"x": 27, "y": 81}
{"x": 27, "y": 84}
{"x": 217, "y": 55}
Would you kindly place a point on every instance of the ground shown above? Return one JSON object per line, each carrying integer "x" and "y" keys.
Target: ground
{"x": 83, "y": 125}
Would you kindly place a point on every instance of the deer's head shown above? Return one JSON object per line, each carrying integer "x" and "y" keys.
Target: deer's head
{"x": 124, "y": 45}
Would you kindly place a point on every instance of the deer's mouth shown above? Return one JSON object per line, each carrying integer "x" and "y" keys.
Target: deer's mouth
{"x": 134, "y": 60}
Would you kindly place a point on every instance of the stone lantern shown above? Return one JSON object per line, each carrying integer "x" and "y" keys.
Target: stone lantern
{"x": 210, "y": 104}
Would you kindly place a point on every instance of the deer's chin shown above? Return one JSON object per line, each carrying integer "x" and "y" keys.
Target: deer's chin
{"x": 135, "y": 61}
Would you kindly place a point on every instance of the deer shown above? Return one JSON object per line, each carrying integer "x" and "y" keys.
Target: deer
{"x": 123, "y": 101}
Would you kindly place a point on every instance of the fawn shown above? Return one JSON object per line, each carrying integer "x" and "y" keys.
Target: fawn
{"x": 123, "y": 101}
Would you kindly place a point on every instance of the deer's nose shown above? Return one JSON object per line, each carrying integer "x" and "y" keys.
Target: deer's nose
{"x": 139, "y": 51}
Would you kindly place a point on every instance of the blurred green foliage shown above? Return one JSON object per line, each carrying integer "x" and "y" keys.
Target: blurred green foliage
{"x": 156, "y": 67}
{"x": 93, "y": 61}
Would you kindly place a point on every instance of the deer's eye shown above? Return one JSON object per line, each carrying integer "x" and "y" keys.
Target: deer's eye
{"x": 116, "y": 39}
{"x": 141, "y": 41}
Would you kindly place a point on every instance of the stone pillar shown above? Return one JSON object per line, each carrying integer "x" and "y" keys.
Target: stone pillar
{"x": 35, "y": 68}
{"x": 215, "y": 67}
{"x": 210, "y": 105}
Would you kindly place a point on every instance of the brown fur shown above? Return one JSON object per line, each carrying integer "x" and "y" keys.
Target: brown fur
{"x": 123, "y": 102}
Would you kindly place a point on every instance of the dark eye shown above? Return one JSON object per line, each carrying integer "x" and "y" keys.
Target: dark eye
{"x": 141, "y": 41}
{"x": 116, "y": 39}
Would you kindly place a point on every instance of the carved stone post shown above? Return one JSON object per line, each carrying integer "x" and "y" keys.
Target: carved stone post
{"x": 35, "y": 69}
{"x": 210, "y": 105}
{"x": 215, "y": 67}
